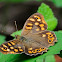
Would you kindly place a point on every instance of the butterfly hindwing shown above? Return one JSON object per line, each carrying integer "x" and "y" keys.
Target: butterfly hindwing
{"x": 12, "y": 47}
{"x": 39, "y": 43}
{"x": 34, "y": 48}
{"x": 34, "y": 24}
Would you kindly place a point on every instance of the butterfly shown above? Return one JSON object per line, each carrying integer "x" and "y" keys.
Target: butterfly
{"x": 34, "y": 39}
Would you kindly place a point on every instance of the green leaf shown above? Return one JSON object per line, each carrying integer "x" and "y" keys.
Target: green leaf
{"x": 2, "y": 39}
{"x": 16, "y": 33}
{"x": 46, "y": 11}
{"x": 50, "y": 58}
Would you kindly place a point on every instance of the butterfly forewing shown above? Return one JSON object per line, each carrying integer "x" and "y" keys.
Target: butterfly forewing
{"x": 34, "y": 24}
{"x": 12, "y": 47}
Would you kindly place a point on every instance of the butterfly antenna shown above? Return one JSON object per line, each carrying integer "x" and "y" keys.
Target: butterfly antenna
{"x": 16, "y": 26}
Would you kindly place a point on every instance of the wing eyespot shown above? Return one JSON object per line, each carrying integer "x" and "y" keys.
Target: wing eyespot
{"x": 42, "y": 48}
{"x": 36, "y": 50}
{"x": 50, "y": 41}
{"x": 5, "y": 48}
{"x": 36, "y": 18}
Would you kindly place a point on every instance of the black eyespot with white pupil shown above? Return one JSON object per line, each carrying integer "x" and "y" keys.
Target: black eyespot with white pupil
{"x": 38, "y": 50}
{"x": 36, "y": 18}
{"x": 42, "y": 48}
{"x": 5, "y": 48}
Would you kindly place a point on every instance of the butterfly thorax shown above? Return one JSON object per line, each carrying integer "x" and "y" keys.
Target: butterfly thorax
{"x": 23, "y": 39}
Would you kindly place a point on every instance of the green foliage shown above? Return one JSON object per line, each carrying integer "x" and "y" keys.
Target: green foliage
{"x": 46, "y": 11}
{"x": 14, "y": 1}
{"x": 2, "y": 39}
{"x": 60, "y": 54}
{"x": 50, "y": 58}
{"x": 38, "y": 0}
{"x": 16, "y": 33}
{"x": 58, "y": 3}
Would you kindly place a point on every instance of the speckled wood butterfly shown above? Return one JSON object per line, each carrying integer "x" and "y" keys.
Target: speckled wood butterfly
{"x": 34, "y": 39}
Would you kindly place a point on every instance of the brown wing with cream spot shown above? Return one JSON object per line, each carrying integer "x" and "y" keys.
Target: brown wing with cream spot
{"x": 34, "y": 24}
{"x": 12, "y": 47}
{"x": 49, "y": 38}
{"x": 39, "y": 43}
